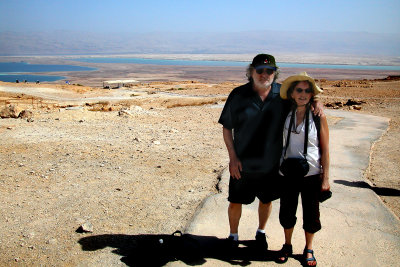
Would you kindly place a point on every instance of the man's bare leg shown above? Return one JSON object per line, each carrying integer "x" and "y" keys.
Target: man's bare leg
{"x": 264, "y": 210}
{"x": 234, "y": 214}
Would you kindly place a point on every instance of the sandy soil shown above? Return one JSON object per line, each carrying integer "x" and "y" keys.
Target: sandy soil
{"x": 145, "y": 171}
{"x": 141, "y": 173}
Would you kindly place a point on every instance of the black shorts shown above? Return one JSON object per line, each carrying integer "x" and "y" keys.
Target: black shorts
{"x": 264, "y": 186}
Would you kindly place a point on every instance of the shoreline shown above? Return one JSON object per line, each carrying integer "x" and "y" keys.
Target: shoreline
{"x": 301, "y": 58}
{"x": 145, "y": 73}
{"x": 214, "y": 74}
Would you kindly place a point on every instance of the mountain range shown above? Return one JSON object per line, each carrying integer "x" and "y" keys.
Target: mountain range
{"x": 73, "y": 43}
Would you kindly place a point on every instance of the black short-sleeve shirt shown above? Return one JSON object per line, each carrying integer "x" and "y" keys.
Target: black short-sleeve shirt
{"x": 257, "y": 126}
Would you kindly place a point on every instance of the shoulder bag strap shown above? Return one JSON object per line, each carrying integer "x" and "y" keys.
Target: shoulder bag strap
{"x": 289, "y": 131}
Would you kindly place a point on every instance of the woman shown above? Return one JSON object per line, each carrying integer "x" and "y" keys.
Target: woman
{"x": 306, "y": 145}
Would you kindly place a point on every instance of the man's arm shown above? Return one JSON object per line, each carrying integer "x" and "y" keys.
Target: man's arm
{"x": 317, "y": 107}
{"x": 235, "y": 166}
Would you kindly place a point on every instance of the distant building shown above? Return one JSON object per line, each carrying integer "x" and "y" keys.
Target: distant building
{"x": 115, "y": 84}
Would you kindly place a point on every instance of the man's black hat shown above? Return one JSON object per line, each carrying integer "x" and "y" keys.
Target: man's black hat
{"x": 264, "y": 61}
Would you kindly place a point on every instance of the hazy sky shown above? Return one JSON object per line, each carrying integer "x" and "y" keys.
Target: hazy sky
{"x": 200, "y": 16}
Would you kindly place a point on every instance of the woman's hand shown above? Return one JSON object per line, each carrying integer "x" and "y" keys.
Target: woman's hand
{"x": 235, "y": 167}
{"x": 325, "y": 183}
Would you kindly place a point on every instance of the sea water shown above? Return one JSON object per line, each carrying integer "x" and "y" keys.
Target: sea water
{"x": 221, "y": 63}
{"x": 12, "y": 71}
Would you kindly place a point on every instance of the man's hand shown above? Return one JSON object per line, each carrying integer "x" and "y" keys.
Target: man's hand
{"x": 317, "y": 108}
{"x": 235, "y": 167}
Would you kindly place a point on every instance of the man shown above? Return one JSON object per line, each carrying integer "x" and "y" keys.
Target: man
{"x": 252, "y": 120}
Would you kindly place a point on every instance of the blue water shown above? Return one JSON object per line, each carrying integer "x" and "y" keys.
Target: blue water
{"x": 228, "y": 63}
{"x": 12, "y": 71}
{"x": 29, "y": 78}
{"x": 10, "y": 67}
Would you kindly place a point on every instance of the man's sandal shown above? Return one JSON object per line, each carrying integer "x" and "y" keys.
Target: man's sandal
{"x": 285, "y": 253}
{"x": 307, "y": 260}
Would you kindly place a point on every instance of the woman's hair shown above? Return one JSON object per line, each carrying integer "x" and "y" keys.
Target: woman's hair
{"x": 291, "y": 89}
{"x": 250, "y": 69}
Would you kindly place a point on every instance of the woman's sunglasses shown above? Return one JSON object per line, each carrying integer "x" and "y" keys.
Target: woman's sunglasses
{"x": 308, "y": 90}
{"x": 261, "y": 71}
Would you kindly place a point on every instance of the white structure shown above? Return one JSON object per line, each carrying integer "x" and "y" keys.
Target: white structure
{"x": 114, "y": 84}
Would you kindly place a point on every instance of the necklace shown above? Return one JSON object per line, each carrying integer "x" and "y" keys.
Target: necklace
{"x": 294, "y": 129}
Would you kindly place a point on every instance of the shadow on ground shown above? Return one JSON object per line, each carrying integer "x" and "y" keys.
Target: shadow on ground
{"x": 158, "y": 250}
{"x": 381, "y": 191}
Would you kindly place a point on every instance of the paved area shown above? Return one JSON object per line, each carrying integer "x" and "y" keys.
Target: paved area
{"x": 357, "y": 228}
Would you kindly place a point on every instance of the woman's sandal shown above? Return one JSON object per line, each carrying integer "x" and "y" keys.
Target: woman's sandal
{"x": 307, "y": 260}
{"x": 285, "y": 253}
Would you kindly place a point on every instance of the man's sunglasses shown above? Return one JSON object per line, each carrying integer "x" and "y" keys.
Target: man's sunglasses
{"x": 308, "y": 90}
{"x": 261, "y": 71}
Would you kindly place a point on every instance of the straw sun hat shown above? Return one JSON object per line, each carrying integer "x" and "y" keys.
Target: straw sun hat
{"x": 303, "y": 76}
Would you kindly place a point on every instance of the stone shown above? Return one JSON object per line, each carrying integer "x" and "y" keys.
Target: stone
{"x": 124, "y": 113}
{"x": 157, "y": 142}
{"x": 137, "y": 108}
{"x": 52, "y": 241}
{"x": 26, "y": 114}
{"x": 10, "y": 111}
{"x": 87, "y": 227}
{"x": 352, "y": 102}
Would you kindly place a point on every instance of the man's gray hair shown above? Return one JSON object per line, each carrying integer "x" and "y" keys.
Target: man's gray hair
{"x": 250, "y": 69}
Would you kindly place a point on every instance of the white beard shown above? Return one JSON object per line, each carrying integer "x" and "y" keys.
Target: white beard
{"x": 260, "y": 85}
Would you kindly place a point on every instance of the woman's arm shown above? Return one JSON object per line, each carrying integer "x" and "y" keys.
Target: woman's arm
{"x": 324, "y": 146}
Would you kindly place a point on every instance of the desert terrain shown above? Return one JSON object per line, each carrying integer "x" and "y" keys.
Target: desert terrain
{"x": 138, "y": 160}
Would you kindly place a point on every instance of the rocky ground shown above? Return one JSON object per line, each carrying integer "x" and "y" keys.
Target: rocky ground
{"x": 137, "y": 160}
{"x": 381, "y": 98}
